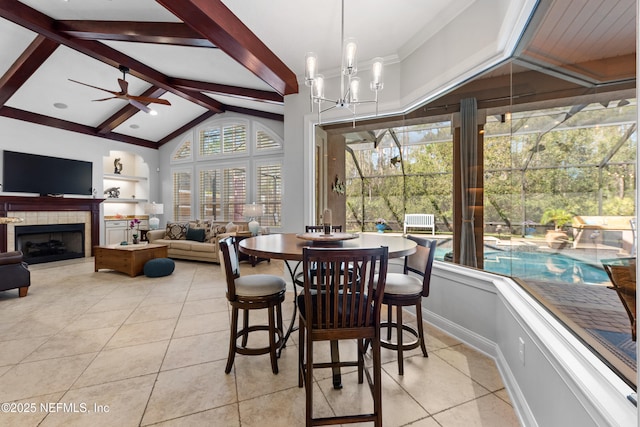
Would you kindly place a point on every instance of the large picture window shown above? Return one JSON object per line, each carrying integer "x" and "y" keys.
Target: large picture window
{"x": 239, "y": 162}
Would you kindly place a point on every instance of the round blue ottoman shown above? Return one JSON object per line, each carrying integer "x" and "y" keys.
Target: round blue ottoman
{"x": 159, "y": 267}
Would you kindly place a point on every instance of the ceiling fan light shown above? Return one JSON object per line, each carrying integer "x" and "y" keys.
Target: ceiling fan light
{"x": 153, "y": 112}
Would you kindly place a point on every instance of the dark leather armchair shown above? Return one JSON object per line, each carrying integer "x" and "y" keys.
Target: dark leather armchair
{"x": 14, "y": 273}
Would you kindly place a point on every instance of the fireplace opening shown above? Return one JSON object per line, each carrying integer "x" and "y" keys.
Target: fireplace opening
{"x": 52, "y": 242}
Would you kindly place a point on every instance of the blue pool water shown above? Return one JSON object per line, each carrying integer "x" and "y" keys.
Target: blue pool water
{"x": 540, "y": 266}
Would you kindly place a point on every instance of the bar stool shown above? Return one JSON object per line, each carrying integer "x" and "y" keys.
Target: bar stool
{"x": 252, "y": 292}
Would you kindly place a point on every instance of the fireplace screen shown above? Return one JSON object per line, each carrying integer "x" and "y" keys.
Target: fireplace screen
{"x": 52, "y": 242}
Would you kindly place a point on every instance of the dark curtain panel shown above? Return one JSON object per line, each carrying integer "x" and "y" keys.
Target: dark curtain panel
{"x": 468, "y": 164}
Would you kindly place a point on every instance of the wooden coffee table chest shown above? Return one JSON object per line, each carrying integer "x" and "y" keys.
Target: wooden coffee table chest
{"x": 128, "y": 259}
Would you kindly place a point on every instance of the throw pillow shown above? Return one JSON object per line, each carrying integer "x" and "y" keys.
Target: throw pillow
{"x": 195, "y": 234}
{"x": 204, "y": 224}
{"x": 176, "y": 230}
{"x": 231, "y": 227}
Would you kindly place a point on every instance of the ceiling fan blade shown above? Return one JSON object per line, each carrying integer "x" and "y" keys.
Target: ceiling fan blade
{"x": 95, "y": 87}
{"x": 139, "y": 106}
{"x": 105, "y": 99}
{"x": 124, "y": 85}
{"x": 149, "y": 100}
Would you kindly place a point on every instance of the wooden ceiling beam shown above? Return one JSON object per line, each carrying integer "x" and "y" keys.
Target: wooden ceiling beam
{"x": 218, "y": 24}
{"x": 173, "y": 33}
{"x": 128, "y": 111}
{"x": 256, "y": 113}
{"x": 27, "y": 116}
{"x": 24, "y": 67}
{"x": 235, "y": 91}
{"x": 38, "y": 22}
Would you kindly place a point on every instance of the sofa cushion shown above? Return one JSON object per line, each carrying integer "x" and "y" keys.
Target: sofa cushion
{"x": 196, "y": 234}
{"x": 176, "y": 230}
{"x": 185, "y": 245}
{"x": 204, "y": 224}
{"x": 203, "y": 247}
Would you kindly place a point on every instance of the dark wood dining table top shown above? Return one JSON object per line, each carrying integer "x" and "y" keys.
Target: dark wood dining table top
{"x": 288, "y": 246}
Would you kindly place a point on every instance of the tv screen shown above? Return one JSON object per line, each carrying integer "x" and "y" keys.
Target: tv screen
{"x": 32, "y": 173}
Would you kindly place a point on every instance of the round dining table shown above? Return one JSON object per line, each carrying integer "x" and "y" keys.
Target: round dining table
{"x": 288, "y": 247}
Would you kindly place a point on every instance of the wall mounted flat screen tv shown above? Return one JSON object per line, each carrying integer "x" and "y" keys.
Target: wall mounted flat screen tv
{"x": 32, "y": 173}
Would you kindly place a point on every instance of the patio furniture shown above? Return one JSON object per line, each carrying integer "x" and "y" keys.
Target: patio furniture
{"x": 419, "y": 221}
{"x": 344, "y": 308}
{"x": 252, "y": 292}
{"x": 622, "y": 272}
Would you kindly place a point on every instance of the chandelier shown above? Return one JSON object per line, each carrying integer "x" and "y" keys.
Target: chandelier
{"x": 349, "y": 82}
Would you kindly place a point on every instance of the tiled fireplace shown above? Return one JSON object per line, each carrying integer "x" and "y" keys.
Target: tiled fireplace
{"x": 38, "y": 211}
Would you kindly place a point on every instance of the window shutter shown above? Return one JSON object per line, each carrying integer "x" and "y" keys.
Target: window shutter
{"x": 235, "y": 138}
{"x": 183, "y": 152}
{"x": 182, "y": 196}
{"x": 210, "y": 142}
{"x": 269, "y": 193}
{"x": 264, "y": 141}
{"x": 210, "y": 202}
{"x": 234, "y": 193}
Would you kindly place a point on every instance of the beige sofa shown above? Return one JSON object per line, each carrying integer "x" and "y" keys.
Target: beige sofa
{"x": 174, "y": 236}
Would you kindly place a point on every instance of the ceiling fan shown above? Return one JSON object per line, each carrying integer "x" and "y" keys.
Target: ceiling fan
{"x": 136, "y": 101}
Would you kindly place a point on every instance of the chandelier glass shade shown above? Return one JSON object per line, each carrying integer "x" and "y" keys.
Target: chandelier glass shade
{"x": 349, "y": 83}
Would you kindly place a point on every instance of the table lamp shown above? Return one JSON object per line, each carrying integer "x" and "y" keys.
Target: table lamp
{"x": 253, "y": 211}
{"x": 154, "y": 209}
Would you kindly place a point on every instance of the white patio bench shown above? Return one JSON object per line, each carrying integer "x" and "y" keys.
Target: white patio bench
{"x": 419, "y": 221}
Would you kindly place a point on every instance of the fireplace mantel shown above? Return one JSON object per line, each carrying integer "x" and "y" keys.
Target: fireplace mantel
{"x": 40, "y": 204}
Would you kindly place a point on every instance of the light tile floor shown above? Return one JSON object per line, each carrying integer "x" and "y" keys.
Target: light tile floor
{"x": 103, "y": 349}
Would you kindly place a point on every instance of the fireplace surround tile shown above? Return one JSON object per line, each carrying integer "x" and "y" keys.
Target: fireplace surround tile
{"x": 52, "y": 217}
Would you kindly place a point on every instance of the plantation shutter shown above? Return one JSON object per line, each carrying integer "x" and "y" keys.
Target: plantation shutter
{"x": 269, "y": 193}
{"x": 264, "y": 141}
{"x": 210, "y": 202}
{"x": 210, "y": 142}
{"x": 234, "y": 194}
{"x": 183, "y": 152}
{"x": 181, "y": 196}
{"x": 234, "y": 138}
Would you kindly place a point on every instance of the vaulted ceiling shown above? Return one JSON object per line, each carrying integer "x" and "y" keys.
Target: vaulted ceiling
{"x": 210, "y": 56}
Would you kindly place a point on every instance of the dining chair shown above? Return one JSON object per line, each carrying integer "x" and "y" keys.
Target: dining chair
{"x": 345, "y": 307}
{"x": 403, "y": 289}
{"x": 298, "y": 281}
{"x": 251, "y": 292}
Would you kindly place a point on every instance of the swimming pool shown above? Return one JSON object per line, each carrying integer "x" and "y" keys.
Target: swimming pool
{"x": 550, "y": 267}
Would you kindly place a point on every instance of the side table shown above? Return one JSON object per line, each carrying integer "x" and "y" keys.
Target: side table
{"x": 244, "y": 257}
